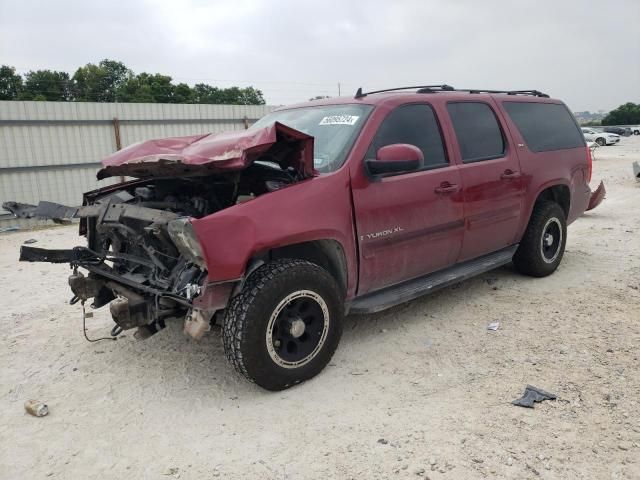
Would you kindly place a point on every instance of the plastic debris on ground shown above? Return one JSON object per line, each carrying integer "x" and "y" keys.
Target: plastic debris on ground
{"x": 532, "y": 395}
{"x": 36, "y": 408}
{"x": 493, "y": 326}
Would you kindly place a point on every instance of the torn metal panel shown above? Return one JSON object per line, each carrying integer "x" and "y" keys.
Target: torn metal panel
{"x": 532, "y": 395}
{"x": 213, "y": 153}
{"x": 44, "y": 210}
{"x": 20, "y": 210}
{"x": 35, "y": 254}
{"x": 597, "y": 197}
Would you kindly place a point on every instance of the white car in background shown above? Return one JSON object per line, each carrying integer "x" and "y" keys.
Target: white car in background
{"x": 601, "y": 138}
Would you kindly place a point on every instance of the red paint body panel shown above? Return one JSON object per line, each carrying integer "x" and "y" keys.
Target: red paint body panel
{"x": 315, "y": 209}
{"x": 390, "y": 229}
{"x": 597, "y": 196}
{"x": 206, "y": 154}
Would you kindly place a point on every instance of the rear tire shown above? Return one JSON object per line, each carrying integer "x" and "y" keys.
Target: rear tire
{"x": 285, "y": 324}
{"x": 542, "y": 246}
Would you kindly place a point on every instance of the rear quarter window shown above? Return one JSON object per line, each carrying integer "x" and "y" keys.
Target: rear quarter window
{"x": 545, "y": 126}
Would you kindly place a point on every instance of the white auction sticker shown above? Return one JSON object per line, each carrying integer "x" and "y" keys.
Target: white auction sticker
{"x": 339, "y": 120}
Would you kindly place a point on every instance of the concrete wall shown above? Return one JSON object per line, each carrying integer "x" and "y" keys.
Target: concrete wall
{"x": 51, "y": 150}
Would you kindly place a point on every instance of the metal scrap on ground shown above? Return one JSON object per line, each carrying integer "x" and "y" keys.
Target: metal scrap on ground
{"x": 532, "y": 395}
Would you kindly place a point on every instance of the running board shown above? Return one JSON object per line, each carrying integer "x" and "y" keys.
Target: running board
{"x": 403, "y": 292}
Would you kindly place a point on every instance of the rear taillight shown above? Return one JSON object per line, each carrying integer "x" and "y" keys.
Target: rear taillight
{"x": 589, "y": 165}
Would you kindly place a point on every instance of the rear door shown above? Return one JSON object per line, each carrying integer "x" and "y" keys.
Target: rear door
{"x": 491, "y": 178}
{"x": 410, "y": 224}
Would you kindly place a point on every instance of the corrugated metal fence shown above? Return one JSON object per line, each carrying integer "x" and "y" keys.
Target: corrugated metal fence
{"x": 51, "y": 150}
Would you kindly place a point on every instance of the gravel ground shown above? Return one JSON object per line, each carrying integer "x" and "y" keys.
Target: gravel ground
{"x": 419, "y": 391}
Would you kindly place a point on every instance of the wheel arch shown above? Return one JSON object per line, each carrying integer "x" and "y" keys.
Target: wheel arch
{"x": 556, "y": 191}
{"x": 326, "y": 253}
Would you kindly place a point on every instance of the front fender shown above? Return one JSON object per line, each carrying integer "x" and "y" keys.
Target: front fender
{"x": 315, "y": 209}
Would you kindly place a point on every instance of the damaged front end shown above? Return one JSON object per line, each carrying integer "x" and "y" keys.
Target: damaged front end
{"x": 142, "y": 256}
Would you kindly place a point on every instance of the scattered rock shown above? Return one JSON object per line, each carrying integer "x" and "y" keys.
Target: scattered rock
{"x": 383, "y": 441}
{"x": 533, "y": 470}
{"x": 477, "y": 460}
{"x": 509, "y": 461}
{"x": 419, "y": 471}
{"x": 625, "y": 446}
{"x": 172, "y": 471}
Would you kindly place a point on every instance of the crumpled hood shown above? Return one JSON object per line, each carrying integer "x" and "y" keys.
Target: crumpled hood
{"x": 213, "y": 153}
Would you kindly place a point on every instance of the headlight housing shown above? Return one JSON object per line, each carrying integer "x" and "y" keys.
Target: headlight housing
{"x": 182, "y": 234}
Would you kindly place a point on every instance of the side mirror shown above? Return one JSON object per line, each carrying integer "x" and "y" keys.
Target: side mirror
{"x": 395, "y": 158}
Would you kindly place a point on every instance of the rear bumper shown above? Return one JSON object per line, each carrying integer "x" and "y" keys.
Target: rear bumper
{"x": 597, "y": 197}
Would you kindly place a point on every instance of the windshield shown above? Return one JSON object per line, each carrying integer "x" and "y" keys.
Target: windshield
{"x": 334, "y": 128}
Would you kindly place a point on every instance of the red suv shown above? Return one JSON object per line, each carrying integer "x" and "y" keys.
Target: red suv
{"x": 337, "y": 206}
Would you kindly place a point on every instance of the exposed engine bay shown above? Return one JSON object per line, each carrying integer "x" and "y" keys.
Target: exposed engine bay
{"x": 142, "y": 256}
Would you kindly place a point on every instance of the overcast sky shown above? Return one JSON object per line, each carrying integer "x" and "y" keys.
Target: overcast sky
{"x": 586, "y": 53}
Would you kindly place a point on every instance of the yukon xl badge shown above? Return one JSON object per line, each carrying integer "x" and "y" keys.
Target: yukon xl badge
{"x": 381, "y": 234}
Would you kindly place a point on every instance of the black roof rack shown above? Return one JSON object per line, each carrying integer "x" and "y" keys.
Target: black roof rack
{"x": 449, "y": 88}
{"x": 420, "y": 88}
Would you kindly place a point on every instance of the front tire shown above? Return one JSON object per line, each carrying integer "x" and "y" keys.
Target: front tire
{"x": 542, "y": 246}
{"x": 601, "y": 141}
{"x": 285, "y": 324}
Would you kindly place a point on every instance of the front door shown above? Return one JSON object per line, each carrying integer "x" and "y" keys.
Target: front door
{"x": 410, "y": 224}
{"x": 492, "y": 181}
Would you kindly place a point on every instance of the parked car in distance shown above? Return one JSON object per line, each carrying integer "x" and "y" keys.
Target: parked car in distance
{"x": 601, "y": 138}
{"x": 623, "y": 131}
{"x": 336, "y": 206}
{"x": 635, "y": 129}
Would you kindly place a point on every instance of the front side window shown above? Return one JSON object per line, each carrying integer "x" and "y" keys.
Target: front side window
{"x": 477, "y": 130}
{"x": 416, "y": 125}
{"x": 334, "y": 129}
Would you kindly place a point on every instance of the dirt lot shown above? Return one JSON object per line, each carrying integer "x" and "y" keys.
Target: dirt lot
{"x": 422, "y": 390}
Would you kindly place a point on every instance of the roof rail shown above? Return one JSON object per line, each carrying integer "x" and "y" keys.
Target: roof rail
{"x": 420, "y": 88}
{"x": 449, "y": 88}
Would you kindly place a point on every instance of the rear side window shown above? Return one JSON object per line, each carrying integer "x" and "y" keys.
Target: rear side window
{"x": 477, "y": 131}
{"x": 545, "y": 126}
{"x": 416, "y": 125}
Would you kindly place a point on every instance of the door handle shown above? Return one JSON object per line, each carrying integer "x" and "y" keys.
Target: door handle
{"x": 446, "y": 187}
{"x": 508, "y": 174}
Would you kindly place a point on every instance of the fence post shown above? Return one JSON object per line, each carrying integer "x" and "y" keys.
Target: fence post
{"x": 116, "y": 133}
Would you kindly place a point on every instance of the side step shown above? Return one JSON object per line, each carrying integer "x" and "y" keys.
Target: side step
{"x": 403, "y": 292}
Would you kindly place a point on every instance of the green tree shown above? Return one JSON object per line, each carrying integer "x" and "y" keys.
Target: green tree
{"x": 112, "y": 81}
{"x": 10, "y": 83}
{"x": 47, "y": 85}
{"x": 203, "y": 93}
{"x": 182, "y": 94}
{"x": 250, "y": 96}
{"x": 627, "y": 114}
{"x": 99, "y": 83}
{"x": 145, "y": 87}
